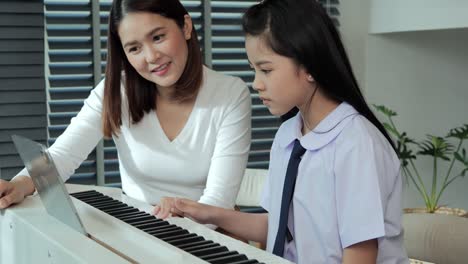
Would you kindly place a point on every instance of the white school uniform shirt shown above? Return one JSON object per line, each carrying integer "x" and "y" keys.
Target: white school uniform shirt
{"x": 348, "y": 190}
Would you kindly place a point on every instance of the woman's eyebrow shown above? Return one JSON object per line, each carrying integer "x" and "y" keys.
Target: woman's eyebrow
{"x": 153, "y": 31}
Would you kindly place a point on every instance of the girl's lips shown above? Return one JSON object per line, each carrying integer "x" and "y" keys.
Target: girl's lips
{"x": 265, "y": 101}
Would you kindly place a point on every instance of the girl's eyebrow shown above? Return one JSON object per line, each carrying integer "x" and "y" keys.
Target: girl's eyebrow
{"x": 259, "y": 63}
{"x": 156, "y": 29}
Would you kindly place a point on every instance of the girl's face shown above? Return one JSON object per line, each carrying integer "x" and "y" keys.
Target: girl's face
{"x": 155, "y": 46}
{"x": 280, "y": 83}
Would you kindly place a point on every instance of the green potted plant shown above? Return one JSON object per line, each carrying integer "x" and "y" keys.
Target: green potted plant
{"x": 440, "y": 148}
{"x": 431, "y": 234}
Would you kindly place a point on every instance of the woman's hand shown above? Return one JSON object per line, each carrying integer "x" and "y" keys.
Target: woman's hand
{"x": 11, "y": 193}
{"x": 166, "y": 208}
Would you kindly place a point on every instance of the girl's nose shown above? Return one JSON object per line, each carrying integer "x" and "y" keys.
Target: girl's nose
{"x": 257, "y": 85}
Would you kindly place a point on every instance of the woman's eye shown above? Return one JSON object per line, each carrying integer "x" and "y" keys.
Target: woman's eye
{"x": 132, "y": 49}
{"x": 265, "y": 71}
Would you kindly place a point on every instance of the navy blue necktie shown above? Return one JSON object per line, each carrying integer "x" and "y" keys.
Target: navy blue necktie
{"x": 288, "y": 190}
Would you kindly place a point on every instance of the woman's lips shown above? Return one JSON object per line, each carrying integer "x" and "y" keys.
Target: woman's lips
{"x": 163, "y": 69}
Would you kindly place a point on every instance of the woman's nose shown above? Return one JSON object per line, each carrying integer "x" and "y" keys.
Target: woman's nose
{"x": 152, "y": 55}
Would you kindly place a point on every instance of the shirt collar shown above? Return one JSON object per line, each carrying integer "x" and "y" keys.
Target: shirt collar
{"x": 323, "y": 133}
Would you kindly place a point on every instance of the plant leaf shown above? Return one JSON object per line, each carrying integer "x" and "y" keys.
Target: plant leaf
{"x": 462, "y": 174}
{"x": 459, "y": 132}
{"x": 385, "y": 110}
{"x": 437, "y": 147}
{"x": 461, "y": 157}
{"x": 390, "y": 129}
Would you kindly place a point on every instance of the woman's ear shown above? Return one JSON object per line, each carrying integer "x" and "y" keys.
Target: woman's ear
{"x": 188, "y": 26}
{"x": 310, "y": 78}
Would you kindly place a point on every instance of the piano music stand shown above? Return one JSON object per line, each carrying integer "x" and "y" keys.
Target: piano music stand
{"x": 48, "y": 182}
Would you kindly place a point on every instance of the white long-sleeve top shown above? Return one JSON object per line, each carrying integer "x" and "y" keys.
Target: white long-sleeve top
{"x": 205, "y": 162}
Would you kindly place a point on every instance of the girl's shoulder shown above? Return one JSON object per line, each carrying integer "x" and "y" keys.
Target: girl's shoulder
{"x": 361, "y": 134}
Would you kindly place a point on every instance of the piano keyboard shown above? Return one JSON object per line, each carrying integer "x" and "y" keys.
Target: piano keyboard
{"x": 175, "y": 235}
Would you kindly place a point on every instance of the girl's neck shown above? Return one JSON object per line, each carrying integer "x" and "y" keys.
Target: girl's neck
{"x": 314, "y": 112}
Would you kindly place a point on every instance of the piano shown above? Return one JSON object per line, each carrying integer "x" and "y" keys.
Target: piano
{"x": 120, "y": 230}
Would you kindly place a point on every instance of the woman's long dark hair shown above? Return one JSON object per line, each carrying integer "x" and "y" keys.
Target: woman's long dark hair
{"x": 141, "y": 93}
{"x": 303, "y": 31}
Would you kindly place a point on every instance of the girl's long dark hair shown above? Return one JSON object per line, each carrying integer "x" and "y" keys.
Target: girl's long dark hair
{"x": 141, "y": 93}
{"x": 303, "y": 31}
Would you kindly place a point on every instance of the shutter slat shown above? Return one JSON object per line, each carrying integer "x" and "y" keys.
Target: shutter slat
{"x": 22, "y": 83}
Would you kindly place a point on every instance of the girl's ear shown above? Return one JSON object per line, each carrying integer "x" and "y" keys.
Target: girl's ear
{"x": 310, "y": 78}
{"x": 187, "y": 27}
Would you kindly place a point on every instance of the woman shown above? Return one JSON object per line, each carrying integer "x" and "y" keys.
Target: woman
{"x": 180, "y": 128}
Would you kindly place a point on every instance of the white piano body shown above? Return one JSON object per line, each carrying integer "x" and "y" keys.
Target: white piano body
{"x": 29, "y": 235}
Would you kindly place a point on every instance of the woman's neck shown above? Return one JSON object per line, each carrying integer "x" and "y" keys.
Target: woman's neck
{"x": 165, "y": 93}
{"x": 314, "y": 112}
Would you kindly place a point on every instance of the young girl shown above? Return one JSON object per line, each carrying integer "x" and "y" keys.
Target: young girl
{"x": 346, "y": 203}
{"x": 180, "y": 129}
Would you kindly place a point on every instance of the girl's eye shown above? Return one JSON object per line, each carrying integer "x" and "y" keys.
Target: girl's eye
{"x": 158, "y": 37}
{"x": 265, "y": 71}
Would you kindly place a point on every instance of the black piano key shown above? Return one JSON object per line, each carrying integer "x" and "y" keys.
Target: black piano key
{"x": 171, "y": 233}
{"x": 161, "y": 226}
{"x": 92, "y": 199}
{"x": 228, "y": 259}
{"x": 180, "y": 241}
{"x": 110, "y": 206}
{"x": 104, "y": 205}
{"x": 208, "y": 251}
{"x": 183, "y": 236}
{"x": 121, "y": 211}
{"x": 247, "y": 261}
{"x": 130, "y": 215}
{"x": 196, "y": 244}
{"x": 135, "y": 220}
{"x": 209, "y": 257}
{"x": 155, "y": 223}
{"x": 139, "y": 222}
{"x": 164, "y": 228}
{"x": 86, "y": 194}
{"x": 104, "y": 202}
{"x": 201, "y": 246}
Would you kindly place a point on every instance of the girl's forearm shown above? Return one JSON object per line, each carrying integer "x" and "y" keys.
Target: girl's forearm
{"x": 252, "y": 227}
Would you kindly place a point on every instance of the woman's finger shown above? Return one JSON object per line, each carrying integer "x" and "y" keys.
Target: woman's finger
{"x": 166, "y": 205}
{"x": 156, "y": 210}
{"x": 176, "y": 212}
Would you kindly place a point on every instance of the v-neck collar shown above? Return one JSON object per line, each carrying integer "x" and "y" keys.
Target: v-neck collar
{"x": 189, "y": 123}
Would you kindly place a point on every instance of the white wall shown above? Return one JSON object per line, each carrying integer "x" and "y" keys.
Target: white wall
{"x": 423, "y": 75}
{"x": 409, "y": 15}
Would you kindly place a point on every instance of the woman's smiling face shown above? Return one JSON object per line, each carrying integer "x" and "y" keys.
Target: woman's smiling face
{"x": 155, "y": 46}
